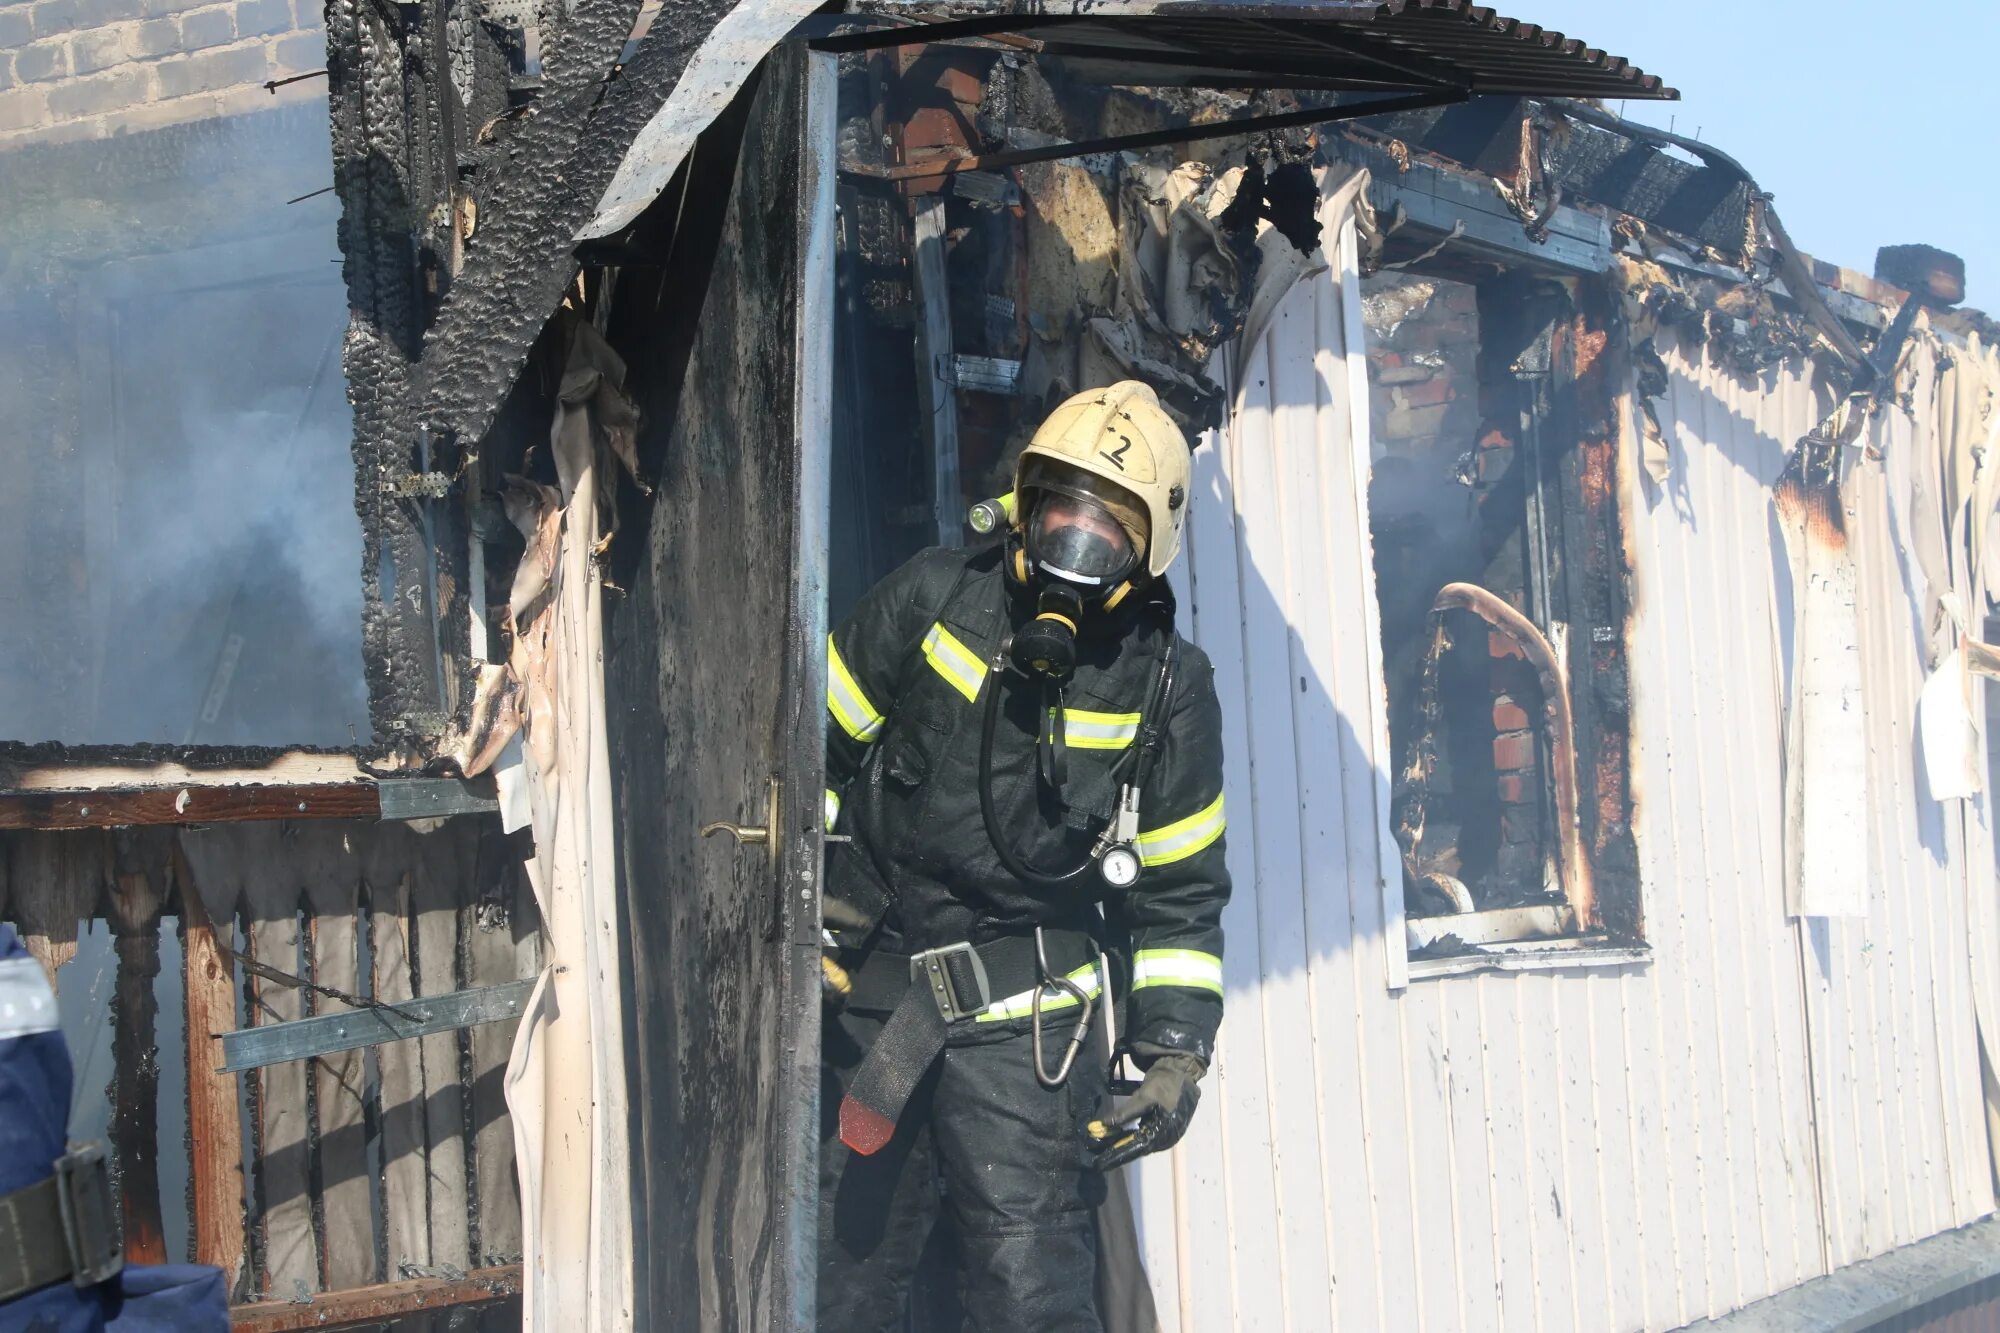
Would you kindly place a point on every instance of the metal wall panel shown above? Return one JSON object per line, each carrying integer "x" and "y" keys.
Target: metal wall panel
{"x": 1621, "y": 1148}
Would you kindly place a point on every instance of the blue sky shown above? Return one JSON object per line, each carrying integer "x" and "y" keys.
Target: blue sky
{"x": 1871, "y": 124}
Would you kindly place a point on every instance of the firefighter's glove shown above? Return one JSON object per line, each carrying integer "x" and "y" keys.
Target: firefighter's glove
{"x": 834, "y": 983}
{"x": 1155, "y": 1116}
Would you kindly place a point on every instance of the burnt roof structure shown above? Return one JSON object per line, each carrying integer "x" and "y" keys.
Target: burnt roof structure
{"x": 461, "y": 224}
{"x": 1405, "y": 45}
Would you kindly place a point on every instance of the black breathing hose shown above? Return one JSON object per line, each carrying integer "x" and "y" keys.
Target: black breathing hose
{"x": 1016, "y": 866}
{"x": 1152, "y": 731}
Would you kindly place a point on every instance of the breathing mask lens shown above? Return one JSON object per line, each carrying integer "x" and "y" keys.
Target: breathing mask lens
{"x": 1078, "y": 540}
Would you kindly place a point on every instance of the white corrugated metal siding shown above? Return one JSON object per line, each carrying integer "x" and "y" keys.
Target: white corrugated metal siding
{"x": 1613, "y": 1149}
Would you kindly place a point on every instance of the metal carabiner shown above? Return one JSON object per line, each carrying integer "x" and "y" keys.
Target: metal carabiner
{"x": 1076, "y": 1038}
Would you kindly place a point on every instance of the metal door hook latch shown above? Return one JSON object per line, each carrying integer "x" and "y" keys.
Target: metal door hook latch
{"x": 751, "y": 834}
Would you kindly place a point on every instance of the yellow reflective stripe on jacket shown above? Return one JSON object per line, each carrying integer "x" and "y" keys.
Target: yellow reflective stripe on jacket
{"x": 1176, "y": 967}
{"x": 1023, "y": 1004}
{"x": 1085, "y": 730}
{"x": 847, "y": 701}
{"x": 957, "y": 663}
{"x": 832, "y": 808}
{"x": 1183, "y": 838}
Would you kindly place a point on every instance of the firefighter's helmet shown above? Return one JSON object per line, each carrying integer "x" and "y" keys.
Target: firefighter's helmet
{"x": 1115, "y": 448}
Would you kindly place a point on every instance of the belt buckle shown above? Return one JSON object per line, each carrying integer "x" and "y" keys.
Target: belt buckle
{"x": 83, "y": 1198}
{"x": 931, "y": 969}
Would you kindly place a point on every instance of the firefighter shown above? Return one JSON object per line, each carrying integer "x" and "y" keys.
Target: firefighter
{"x": 1025, "y": 762}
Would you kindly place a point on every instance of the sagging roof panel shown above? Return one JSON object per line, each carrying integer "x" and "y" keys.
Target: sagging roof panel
{"x": 1405, "y": 44}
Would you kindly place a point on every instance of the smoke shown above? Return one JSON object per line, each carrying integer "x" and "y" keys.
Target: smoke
{"x": 178, "y": 530}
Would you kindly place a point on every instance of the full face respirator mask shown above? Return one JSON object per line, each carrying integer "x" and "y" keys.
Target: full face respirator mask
{"x": 1080, "y": 558}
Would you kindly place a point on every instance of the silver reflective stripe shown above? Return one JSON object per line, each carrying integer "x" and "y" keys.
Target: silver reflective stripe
{"x": 1177, "y": 967}
{"x": 1183, "y": 838}
{"x": 832, "y": 808}
{"x": 846, "y": 700}
{"x": 27, "y": 1005}
{"x": 1022, "y": 1004}
{"x": 954, "y": 661}
{"x": 1099, "y": 731}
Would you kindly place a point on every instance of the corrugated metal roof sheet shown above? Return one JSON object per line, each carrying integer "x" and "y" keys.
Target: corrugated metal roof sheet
{"x": 1404, "y": 44}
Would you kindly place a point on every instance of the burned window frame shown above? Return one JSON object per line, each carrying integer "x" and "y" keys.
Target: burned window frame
{"x": 1551, "y": 358}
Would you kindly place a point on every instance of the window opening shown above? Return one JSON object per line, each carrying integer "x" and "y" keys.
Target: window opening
{"x": 1472, "y": 506}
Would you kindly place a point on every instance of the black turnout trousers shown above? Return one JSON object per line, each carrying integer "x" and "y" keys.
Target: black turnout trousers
{"x": 1010, "y": 1158}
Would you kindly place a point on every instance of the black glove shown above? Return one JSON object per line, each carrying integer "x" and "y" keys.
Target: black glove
{"x": 1154, "y": 1118}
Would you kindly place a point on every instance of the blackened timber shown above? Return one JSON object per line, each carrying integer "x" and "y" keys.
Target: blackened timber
{"x": 548, "y": 169}
{"x": 369, "y": 106}
{"x": 724, "y": 1015}
{"x": 1590, "y": 362}
{"x": 110, "y": 805}
{"x": 137, "y": 895}
{"x": 98, "y": 808}
{"x": 522, "y": 259}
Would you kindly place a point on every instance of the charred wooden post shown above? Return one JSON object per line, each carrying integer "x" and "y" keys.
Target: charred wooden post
{"x": 1589, "y": 354}
{"x": 452, "y": 278}
{"x": 137, "y": 896}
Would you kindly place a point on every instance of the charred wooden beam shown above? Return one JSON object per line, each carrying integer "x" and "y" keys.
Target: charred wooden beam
{"x": 137, "y": 895}
{"x": 185, "y": 805}
{"x": 114, "y": 807}
{"x": 434, "y": 348}
{"x": 374, "y": 1305}
{"x": 1591, "y": 365}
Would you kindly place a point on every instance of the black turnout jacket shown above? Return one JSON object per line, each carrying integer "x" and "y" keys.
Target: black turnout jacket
{"x": 906, "y": 682}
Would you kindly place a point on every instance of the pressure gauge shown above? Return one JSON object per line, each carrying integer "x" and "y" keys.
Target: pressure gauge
{"x": 1120, "y": 867}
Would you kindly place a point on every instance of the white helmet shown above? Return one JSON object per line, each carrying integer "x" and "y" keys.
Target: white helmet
{"x": 1115, "y": 447}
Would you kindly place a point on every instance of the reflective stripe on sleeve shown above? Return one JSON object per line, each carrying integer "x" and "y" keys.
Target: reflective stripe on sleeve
{"x": 1177, "y": 967}
{"x": 832, "y": 808}
{"x": 1099, "y": 731}
{"x": 954, "y": 661}
{"x": 1182, "y": 838}
{"x": 1021, "y": 1005}
{"x": 27, "y": 1005}
{"x": 847, "y": 701}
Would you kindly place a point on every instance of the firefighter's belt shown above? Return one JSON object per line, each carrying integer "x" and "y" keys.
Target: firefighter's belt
{"x": 60, "y": 1228}
{"x": 924, "y": 994}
